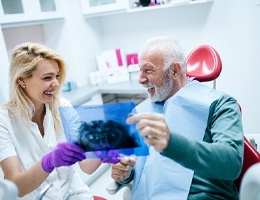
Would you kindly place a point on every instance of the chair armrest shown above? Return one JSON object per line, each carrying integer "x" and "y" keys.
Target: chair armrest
{"x": 114, "y": 187}
{"x": 250, "y": 185}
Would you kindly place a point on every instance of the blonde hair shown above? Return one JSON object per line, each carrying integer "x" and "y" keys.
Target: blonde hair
{"x": 24, "y": 59}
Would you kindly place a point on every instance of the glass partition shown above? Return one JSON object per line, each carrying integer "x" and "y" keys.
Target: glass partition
{"x": 47, "y": 5}
{"x": 12, "y": 6}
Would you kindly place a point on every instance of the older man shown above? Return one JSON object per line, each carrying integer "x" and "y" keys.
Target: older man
{"x": 194, "y": 133}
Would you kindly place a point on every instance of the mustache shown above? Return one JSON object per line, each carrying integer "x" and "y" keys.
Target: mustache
{"x": 147, "y": 85}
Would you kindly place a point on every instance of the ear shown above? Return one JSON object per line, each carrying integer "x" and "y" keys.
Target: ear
{"x": 175, "y": 69}
{"x": 20, "y": 81}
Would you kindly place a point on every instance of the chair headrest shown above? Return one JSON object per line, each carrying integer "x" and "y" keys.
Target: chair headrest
{"x": 203, "y": 63}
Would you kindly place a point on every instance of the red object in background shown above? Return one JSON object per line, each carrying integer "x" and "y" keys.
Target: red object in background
{"x": 132, "y": 59}
{"x": 99, "y": 198}
{"x": 204, "y": 63}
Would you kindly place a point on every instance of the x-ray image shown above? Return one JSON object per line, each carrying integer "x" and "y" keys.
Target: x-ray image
{"x": 105, "y": 135}
{"x": 103, "y": 128}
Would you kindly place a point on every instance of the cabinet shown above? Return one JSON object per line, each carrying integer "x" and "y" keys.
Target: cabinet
{"x": 24, "y": 12}
{"x": 101, "y": 7}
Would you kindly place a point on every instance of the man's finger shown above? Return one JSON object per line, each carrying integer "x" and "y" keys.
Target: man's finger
{"x": 137, "y": 117}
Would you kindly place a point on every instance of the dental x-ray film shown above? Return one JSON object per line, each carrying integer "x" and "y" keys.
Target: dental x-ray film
{"x": 99, "y": 129}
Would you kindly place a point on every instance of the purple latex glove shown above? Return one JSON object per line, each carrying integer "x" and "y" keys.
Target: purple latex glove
{"x": 64, "y": 154}
{"x": 110, "y": 156}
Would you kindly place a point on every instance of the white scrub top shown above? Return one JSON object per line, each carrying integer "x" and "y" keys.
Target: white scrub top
{"x": 17, "y": 139}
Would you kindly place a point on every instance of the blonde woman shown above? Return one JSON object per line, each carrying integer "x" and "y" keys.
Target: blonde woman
{"x": 33, "y": 148}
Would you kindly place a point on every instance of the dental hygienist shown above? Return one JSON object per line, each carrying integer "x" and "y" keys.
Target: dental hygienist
{"x": 33, "y": 147}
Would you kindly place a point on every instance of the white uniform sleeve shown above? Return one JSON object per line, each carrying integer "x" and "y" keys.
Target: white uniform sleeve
{"x": 7, "y": 148}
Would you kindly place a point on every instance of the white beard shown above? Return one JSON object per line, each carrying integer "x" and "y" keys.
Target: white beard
{"x": 162, "y": 92}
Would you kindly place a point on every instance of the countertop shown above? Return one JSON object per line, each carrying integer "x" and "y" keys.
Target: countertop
{"x": 83, "y": 94}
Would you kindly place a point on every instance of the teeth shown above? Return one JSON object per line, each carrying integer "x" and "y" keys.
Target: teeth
{"x": 49, "y": 92}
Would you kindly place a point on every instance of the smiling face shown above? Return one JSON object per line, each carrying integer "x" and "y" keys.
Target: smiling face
{"x": 153, "y": 77}
{"x": 41, "y": 85}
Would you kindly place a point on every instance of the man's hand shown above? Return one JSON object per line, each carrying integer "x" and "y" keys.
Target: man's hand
{"x": 122, "y": 170}
{"x": 153, "y": 127}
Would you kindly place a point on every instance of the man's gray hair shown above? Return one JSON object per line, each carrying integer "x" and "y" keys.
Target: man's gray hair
{"x": 171, "y": 49}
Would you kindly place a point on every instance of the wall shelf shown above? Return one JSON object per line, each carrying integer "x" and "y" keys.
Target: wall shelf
{"x": 30, "y": 22}
{"x": 128, "y": 10}
{"x": 171, "y": 5}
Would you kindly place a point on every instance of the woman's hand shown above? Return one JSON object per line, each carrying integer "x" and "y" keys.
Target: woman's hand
{"x": 64, "y": 154}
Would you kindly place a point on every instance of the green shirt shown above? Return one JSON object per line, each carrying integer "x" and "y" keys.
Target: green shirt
{"x": 217, "y": 160}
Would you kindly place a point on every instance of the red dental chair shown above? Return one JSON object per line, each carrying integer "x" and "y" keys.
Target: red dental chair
{"x": 204, "y": 64}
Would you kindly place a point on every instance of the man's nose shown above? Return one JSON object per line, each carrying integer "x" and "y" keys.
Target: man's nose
{"x": 142, "y": 79}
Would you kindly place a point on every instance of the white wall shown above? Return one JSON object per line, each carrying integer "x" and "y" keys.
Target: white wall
{"x": 77, "y": 41}
{"x": 4, "y": 62}
{"x": 28, "y": 34}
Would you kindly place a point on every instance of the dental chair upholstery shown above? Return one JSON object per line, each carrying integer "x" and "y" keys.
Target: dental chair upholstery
{"x": 204, "y": 64}
{"x": 99, "y": 198}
